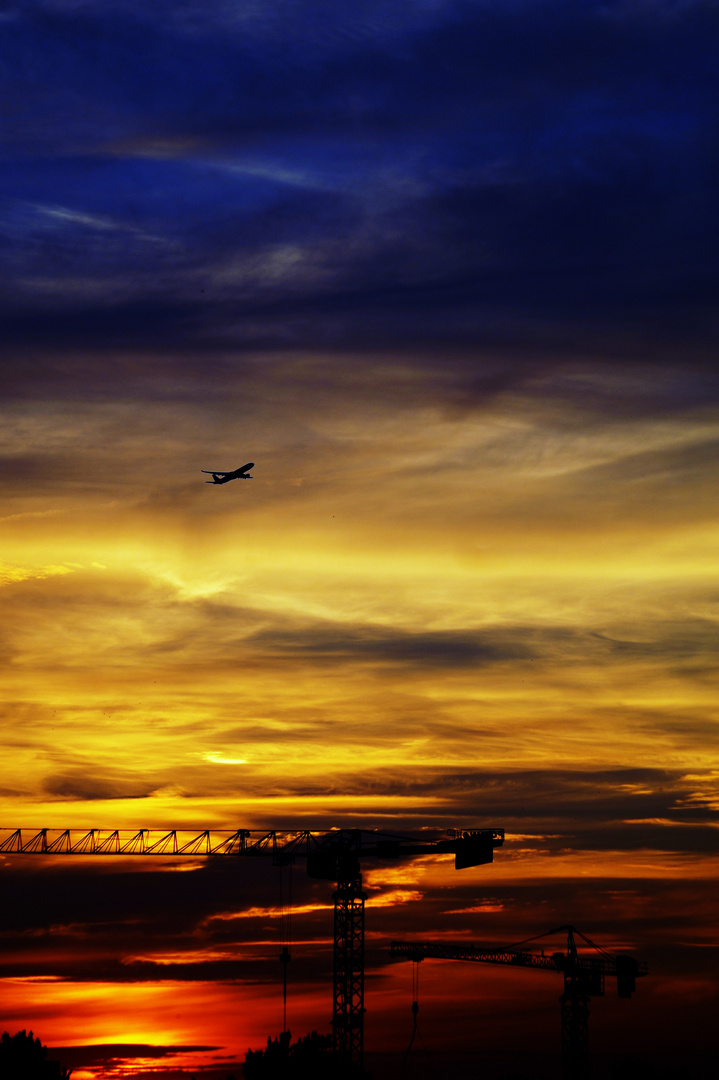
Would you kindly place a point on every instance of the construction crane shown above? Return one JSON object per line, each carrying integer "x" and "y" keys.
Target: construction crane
{"x": 330, "y": 856}
{"x": 584, "y": 977}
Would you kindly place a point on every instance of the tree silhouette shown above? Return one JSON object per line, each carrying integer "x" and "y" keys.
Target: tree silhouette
{"x": 23, "y": 1057}
{"x": 310, "y": 1057}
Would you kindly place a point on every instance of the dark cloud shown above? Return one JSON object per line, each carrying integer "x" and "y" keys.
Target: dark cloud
{"x": 114, "y": 1056}
{"x": 666, "y": 640}
{"x": 375, "y": 644}
{"x": 219, "y": 631}
{"x": 589, "y": 809}
{"x": 668, "y": 470}
{"x": 108, "y": 1054}
{"x": 340, "y": 643}
{"x": 19, "y": 470}
{"x": 472, "y": 174}
{"x": 80, "y": 784}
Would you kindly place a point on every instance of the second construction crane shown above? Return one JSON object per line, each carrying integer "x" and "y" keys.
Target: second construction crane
{"x": 584, "y": 977}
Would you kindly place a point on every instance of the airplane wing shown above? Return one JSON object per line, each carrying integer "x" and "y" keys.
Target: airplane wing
{"x": 217, "y": 472}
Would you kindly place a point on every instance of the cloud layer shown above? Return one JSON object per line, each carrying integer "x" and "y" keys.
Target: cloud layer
{"x": 457, "y": 173}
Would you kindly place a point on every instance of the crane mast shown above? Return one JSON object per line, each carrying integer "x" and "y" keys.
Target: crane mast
{"x": 584, "y": 977}
{"x": 330, "y": 856}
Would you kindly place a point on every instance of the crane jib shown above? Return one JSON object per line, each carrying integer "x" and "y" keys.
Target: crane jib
{"x": 470, "y": 847}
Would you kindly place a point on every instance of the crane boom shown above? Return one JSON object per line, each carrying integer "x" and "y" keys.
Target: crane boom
{"x": 435, "y": 950}
{"x": 593, "y": 968}
{"x": 470, "y": 847}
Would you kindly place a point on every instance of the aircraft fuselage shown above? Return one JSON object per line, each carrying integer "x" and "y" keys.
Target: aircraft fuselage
{"x": 220, "y": 477}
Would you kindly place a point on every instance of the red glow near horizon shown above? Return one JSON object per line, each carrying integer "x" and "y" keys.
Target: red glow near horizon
{"x": 228, "y": 1019}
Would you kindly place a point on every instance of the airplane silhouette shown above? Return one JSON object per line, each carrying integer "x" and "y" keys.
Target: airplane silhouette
{"x": 220, "y": 477}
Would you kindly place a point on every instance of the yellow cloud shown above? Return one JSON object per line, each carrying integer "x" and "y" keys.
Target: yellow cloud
{"x": 10, "y": 574}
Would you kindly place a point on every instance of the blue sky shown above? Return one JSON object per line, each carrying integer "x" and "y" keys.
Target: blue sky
{"x": 470, "y": 173}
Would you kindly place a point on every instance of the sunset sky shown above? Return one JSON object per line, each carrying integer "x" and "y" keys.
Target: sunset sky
{"x": 446, "y": 271}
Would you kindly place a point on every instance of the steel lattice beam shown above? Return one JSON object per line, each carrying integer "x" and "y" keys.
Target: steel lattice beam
{"x": 156, "y": 842}
{"x": 470, "y": 847}
{"x": 411, "y": 950}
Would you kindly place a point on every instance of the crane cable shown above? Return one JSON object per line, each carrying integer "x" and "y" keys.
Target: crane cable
{"x": 286, "y": 937}
{"x": 415, "y": 1005}
{"x": 557, "y": 930}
